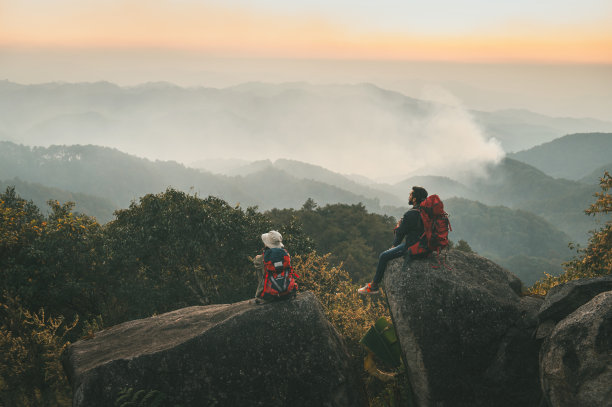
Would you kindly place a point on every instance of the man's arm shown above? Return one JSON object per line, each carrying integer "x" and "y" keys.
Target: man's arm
{"x": 408, "y": 224}
{"x": 400, "y": 231}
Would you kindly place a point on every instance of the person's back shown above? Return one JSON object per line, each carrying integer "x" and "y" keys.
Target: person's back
{"x": 276, "y": 259}
{"x": 278, "y": 280}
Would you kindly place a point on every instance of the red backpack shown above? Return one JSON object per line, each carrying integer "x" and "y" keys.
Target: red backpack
{"x": 279, "y": 281}
{"x": 435, "y": 227}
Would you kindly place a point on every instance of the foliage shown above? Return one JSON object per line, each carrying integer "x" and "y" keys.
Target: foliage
{"x": 353, "y": 236}
{"x": 48, "y": 261}
{"x": 172, "y": 249}
{"x": 164, "y": 252}
{"x": 351, "y": 313}
{"x": 30, "y": 369}
{"x": 596, "y": 259}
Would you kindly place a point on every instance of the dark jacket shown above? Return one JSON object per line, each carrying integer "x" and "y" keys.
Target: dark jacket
{"x": 410, "y": 227}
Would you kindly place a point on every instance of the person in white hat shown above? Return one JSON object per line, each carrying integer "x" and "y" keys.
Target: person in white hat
{"x": 272, "y": 239}
{"x": 274, "y": 265}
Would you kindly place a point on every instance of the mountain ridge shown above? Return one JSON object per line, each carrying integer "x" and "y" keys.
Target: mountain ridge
{"x": 572, "y": 156}
{"x": 257, "y": 117}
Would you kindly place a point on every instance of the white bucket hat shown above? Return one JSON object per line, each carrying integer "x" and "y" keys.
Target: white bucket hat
{"x": 272, "y": 239}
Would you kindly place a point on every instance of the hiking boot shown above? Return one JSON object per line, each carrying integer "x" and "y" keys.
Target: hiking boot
{"x": 369, "y": 288}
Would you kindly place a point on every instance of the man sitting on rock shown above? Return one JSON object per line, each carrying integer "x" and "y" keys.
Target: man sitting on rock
{"x": 409, "y": 227}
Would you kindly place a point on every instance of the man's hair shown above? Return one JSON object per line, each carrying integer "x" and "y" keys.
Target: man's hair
{"x": 419, "y": 193}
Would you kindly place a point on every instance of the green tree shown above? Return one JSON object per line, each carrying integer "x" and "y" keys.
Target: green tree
{"x": 172, "y": 249}
{"x": 352, "y": 236}
{"x": 48, "y": 262}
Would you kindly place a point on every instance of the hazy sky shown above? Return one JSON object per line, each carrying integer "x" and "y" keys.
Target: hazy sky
{"x": 551, "y": 57}
{"x": 469, "y": 30}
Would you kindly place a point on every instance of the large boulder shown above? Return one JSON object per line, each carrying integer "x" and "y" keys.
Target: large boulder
{"x": 576, "y": 360}
{"x": 564, "y": 299}
{"x": 277, "y": 354}
{"x": 466, "y": 334}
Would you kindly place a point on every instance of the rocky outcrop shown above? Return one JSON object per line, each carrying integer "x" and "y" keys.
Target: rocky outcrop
{"x": 277, "y": 354}
{"x": 564, "y": 299}
{"x": 576, "y": 360}
{"x": 466, "y": 334}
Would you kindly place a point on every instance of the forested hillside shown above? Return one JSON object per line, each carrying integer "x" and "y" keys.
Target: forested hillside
{"x": 593, "y": 176}
{"x": 99, "y": 206}
{"x": 520, "y": 241}
{"x": 121, "y": 178}
{"x": 521, "y": 186}
{"x": 572, "y": 157}
{"x": 317, "y": 173}
{"x": 87, "y": 172}
{"x": 445, "y": 187}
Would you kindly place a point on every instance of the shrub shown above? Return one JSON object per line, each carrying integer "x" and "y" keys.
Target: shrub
{"x": 30, "y": 369}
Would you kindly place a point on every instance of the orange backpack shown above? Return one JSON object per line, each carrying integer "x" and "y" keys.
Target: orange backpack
{"x": 279, "y": 280}
{"x": 435, "y": 227}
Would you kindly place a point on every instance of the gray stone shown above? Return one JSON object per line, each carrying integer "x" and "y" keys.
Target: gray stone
{"x": 545, "y": 329}
{"x": 276, "y": 354}
{"x": 564, "y": 299}
{"x": 576, "y": 360}
{"x": 466, "y": 334}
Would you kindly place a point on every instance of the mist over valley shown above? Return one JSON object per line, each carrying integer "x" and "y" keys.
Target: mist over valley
{"x": 105, "y": 146}
{"x": 359, "y": 129}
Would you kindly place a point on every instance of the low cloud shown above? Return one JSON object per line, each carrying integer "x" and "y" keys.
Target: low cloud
{"x": 378, "y": 135}
{"x": 451, "y": 143}
{"x": 358, "y": 129}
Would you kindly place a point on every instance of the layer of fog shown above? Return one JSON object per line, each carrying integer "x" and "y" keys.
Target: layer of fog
{"x": 359, "y": 129}
{"x": 559, "y": 90}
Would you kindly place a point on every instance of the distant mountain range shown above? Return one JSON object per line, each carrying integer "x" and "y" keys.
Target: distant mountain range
{"x": 521, "y": 129}
{"x": 573, "y": 156}
{"x": 258, "y": 119}
{"x": 121, "y": 178}
{"x": 521, "y": 241}
{"x": 545, "y": 186}
{"x": 90, "y": 205}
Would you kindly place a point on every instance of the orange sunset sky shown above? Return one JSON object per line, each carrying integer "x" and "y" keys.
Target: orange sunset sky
{"x": 473, "y": 30}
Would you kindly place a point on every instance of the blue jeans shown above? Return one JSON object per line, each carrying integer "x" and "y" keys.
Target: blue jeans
{"x": 393, "y": 253}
